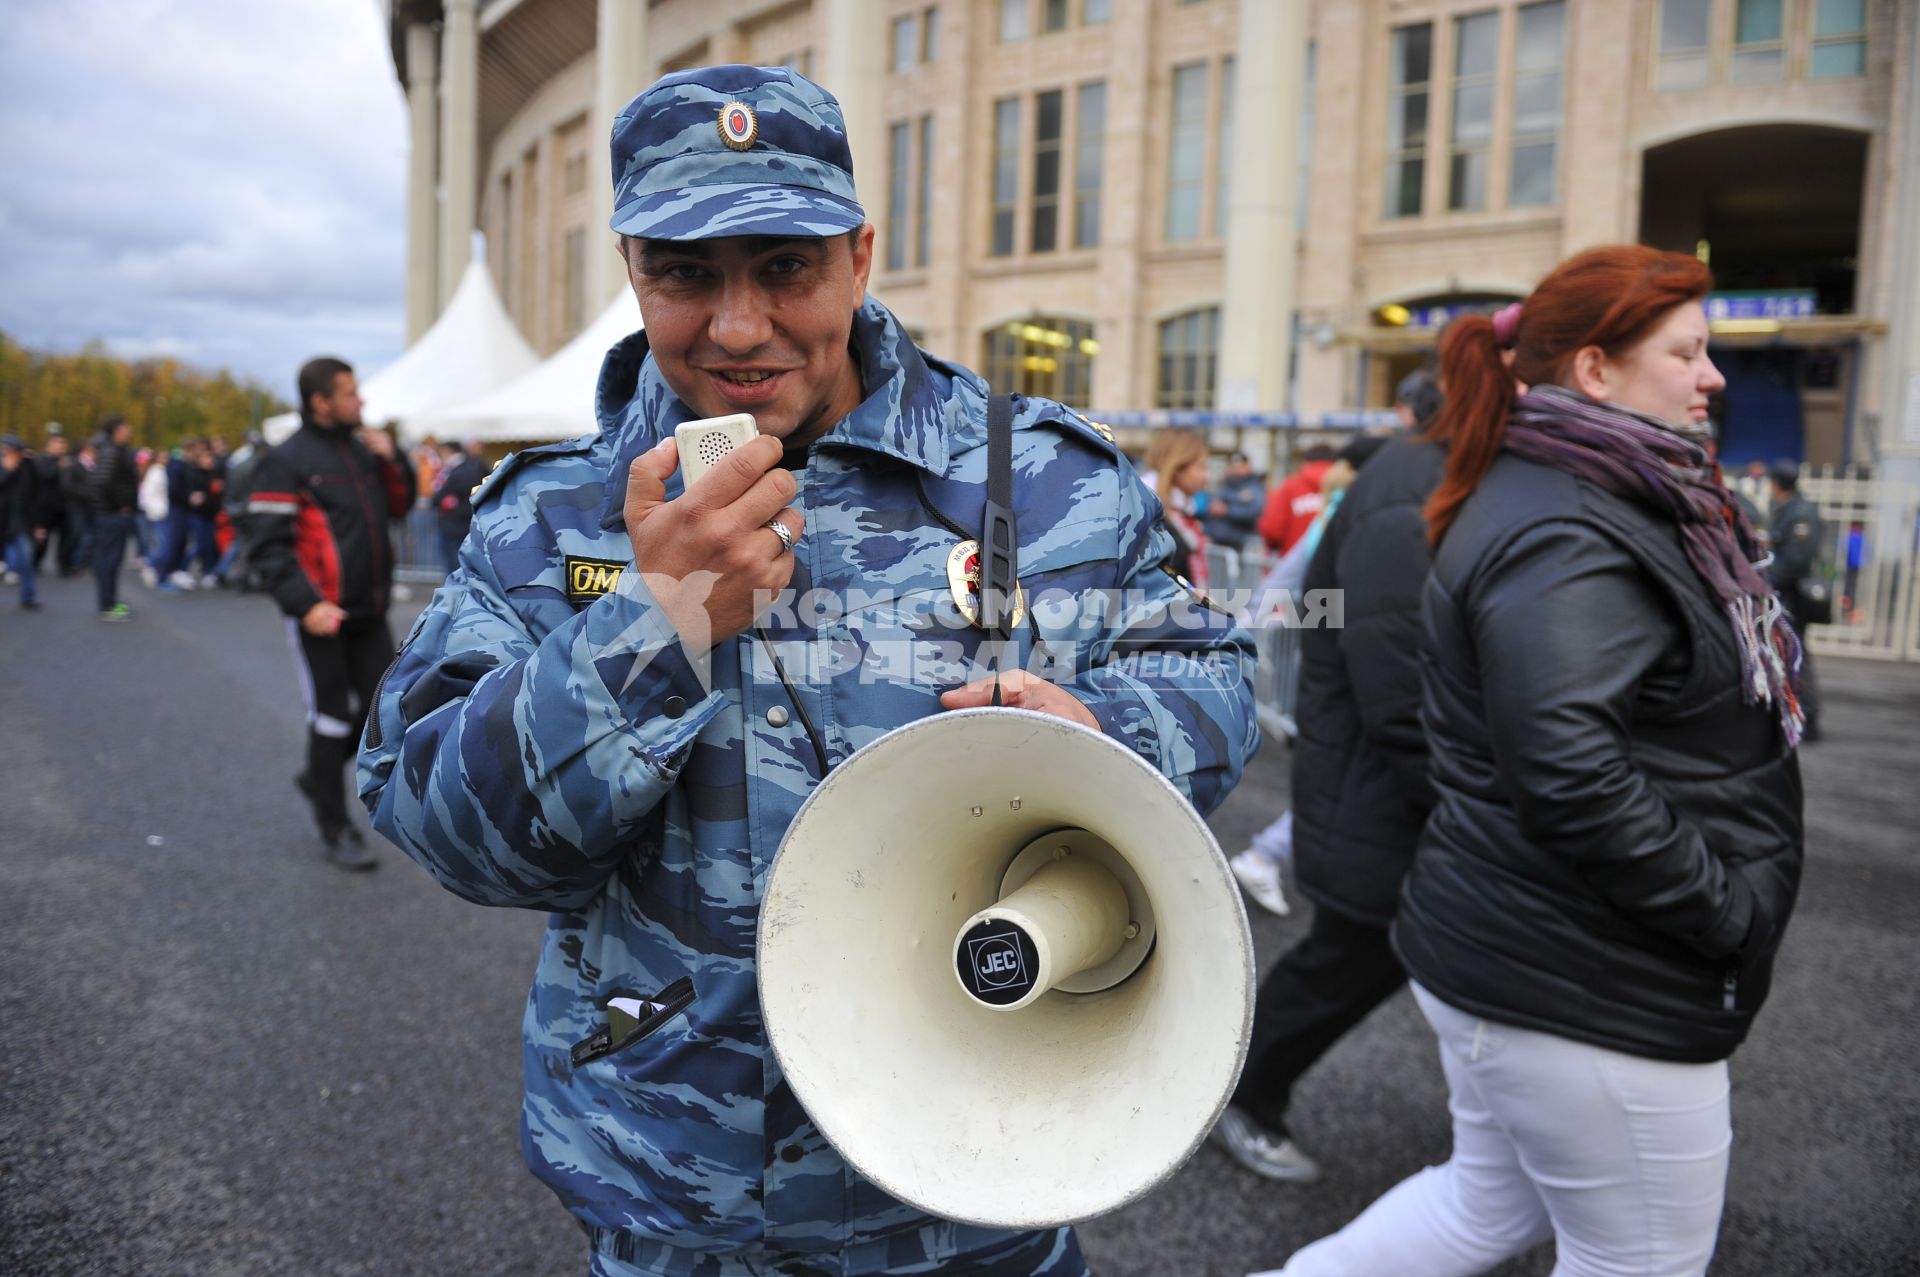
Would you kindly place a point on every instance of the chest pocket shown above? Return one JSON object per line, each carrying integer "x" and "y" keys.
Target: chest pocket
{"x": 913, "y": 628}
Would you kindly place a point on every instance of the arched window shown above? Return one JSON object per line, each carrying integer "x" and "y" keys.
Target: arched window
{"x": 1043, "y": 355}
{"x": 1189, "y": 359}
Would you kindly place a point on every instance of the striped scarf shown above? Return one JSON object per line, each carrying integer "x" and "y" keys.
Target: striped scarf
{"x": 1665, "y": 468}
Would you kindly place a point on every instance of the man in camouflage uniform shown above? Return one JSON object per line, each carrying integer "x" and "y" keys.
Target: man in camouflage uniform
{"x": 588, "y": 718}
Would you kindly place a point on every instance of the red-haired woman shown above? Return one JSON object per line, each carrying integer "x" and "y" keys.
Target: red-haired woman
{"x": 1592, "y": 914}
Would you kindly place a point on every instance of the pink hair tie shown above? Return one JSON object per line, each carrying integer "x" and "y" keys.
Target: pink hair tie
{"x": 1506, "y": 323}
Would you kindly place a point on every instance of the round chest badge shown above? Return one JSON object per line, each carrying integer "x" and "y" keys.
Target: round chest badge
{"x": 738, "y": 125}
{"x": 963, "y": 580}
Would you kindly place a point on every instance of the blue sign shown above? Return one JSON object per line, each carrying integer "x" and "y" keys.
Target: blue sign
{"x": 1792, "y": 303}
{"x": 1437, "y": 316}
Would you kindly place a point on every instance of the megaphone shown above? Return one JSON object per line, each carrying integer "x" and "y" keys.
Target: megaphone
{"x": 1005, "y": 968}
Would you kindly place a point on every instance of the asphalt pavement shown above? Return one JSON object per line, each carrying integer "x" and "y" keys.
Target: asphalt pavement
{"x": 220, "y": 1056}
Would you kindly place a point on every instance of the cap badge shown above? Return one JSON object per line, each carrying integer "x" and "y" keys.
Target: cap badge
{"x": 738, "y": 125}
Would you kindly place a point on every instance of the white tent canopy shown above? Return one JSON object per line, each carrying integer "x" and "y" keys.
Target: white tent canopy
{"x": 471, "y": 349}
{"x": 554, "y": 400}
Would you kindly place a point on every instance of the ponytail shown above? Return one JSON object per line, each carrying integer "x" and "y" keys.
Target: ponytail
{"x": 1472, "y": 424}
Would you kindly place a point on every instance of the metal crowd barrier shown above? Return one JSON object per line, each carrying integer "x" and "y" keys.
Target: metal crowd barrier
{"x": 1870, "y": 551}
{"x": 416, "y": 548}
{"x": 1232, "y": 577}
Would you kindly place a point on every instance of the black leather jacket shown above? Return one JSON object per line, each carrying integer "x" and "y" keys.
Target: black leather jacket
{"x": 1617, "y": 840}
{"x": 1360, "y": 789}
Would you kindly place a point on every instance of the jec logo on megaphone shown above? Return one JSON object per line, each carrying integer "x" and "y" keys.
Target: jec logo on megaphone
{"x": 1000, "y": 962}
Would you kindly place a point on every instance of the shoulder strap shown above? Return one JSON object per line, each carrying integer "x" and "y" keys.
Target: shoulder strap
{"x": 999, "y": 566}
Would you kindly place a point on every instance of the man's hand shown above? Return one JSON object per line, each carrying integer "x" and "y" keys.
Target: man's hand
{"x": 323, "y": 619}
{"x": 1022, "y": 690}
{"x": 707, "y": 555}
{"x": 378, "y": 442}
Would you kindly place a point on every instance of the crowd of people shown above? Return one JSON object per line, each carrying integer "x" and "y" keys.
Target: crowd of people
{"x": 68, "y": 509}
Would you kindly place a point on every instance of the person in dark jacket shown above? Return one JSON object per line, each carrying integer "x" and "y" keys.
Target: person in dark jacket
{"x": 1795, "y": 534}
{"x": 1234, "y": 512}
{"x": 114, "y": 495}
{"x": 1360, "y": 795}
{"x": 233, "y": 568}
{"x": 50, "y": 498}
{"x": 206, "y": 485}
{"x": 317, "y": 531}
{"x": 18, "y": 477}
{"x": 1596, "y": 900}
{"x": 194, "y": 489}
{"x": 460, "y": 474}
{"x": 1417, "y": 400}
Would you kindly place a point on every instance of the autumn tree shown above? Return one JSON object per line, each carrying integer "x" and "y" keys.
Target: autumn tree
{"x": 166, "y": 401}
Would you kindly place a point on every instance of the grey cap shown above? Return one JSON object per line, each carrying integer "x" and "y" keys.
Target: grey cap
{"x": 733, "y": 150}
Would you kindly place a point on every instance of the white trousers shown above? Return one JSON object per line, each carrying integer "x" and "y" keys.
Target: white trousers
{"x": 1621, "y": 1160}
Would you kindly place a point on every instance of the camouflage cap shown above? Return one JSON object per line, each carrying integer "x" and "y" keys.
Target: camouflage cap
{"x": 733, "y": 150}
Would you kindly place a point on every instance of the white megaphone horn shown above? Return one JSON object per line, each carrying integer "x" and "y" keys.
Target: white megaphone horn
{"x": 1005, "y": 968}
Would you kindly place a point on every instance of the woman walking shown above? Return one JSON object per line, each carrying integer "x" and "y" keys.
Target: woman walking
{"x": 1176, "y": 469}
{"x": 1595, "y": 903}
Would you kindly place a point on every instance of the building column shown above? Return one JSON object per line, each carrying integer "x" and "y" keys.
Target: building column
{"x": 620, "y": 71}
{"x": 459, "y": 141}
{"x": 1600, "y": 166}
{"x": 423, "y": 201}
{"x": 959, "y": 149}
{"x": 854, "y": 71}
{"x": 1343, "y": 187}
{"x": 1126, "y": 371}
{"x": 1256, "y": 319}
{"x": 1899, "y": 442}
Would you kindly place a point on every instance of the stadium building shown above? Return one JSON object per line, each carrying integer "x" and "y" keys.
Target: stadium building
{"x": 1247, "y": 205}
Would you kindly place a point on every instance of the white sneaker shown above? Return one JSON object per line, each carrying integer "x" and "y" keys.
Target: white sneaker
{"x": 183, "y": 581}
{"x": 1275, "y": 842}
{"x": 1270, "y": 1154}
{"x": 1261, "y": 878}
{"x": 209, "y": 582}
{"x": 151, "y": 577}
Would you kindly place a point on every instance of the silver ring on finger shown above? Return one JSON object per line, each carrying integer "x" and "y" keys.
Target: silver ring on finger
{"x": 780, "y": 530}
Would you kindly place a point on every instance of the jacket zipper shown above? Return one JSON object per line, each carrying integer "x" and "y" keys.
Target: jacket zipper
{"x": 373, "y": 541}
{"x": 374, "y": 737}
{"x": 1732, "y": 986}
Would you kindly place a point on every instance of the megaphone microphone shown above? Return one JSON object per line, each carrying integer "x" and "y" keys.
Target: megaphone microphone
{"x": 1005, "y": 968}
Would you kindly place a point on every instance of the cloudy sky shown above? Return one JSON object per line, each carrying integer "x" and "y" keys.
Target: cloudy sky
{"x": 219, "y": 180}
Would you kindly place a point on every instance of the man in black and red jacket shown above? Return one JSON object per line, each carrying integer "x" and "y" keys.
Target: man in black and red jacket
{"x": 317, "y": 528}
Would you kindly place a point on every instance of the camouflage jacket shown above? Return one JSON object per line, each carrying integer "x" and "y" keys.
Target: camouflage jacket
{"x": 542, "y": 742}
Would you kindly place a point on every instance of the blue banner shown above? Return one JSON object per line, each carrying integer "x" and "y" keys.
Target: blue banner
{"x": 1790, "y": 303}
